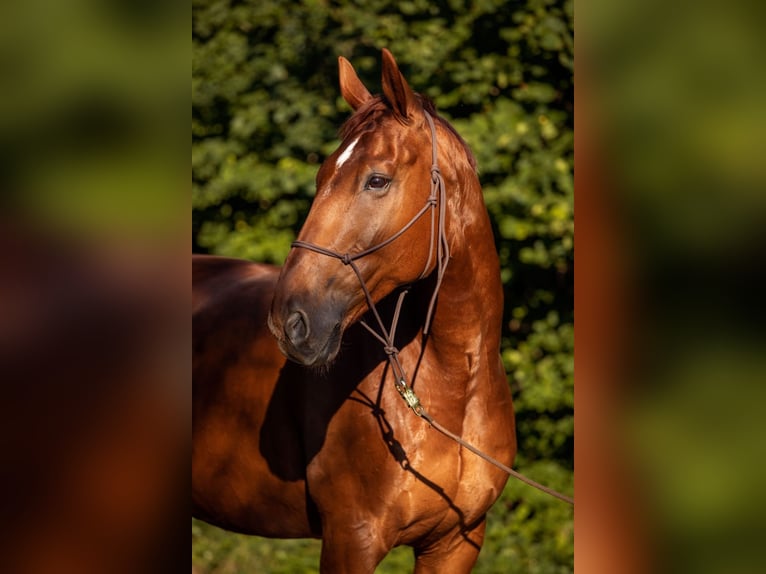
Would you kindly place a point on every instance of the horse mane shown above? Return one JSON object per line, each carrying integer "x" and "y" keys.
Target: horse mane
{"x": 369, "y": 114}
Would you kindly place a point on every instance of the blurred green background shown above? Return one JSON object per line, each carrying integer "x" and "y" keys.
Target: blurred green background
{"x": 90, "y": 117}
{"x": 674, "y": 105}
{"x": 266, "y": 110}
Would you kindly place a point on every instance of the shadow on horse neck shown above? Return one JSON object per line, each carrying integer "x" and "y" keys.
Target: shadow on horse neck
{"x": 314, "y": 395}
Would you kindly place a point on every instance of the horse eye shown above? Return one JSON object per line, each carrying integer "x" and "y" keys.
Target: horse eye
{"x": 377, "y": 183}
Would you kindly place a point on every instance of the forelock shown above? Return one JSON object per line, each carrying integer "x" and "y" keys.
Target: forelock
{"x": 368, "y": 116}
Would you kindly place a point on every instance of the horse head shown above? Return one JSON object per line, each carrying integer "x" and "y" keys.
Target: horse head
{"x": 375, "y": 216}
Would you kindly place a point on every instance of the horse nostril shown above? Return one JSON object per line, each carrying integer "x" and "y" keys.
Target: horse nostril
{"x": 297, "y": 327}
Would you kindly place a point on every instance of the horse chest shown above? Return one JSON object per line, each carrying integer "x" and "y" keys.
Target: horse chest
{"x": 379, "y": 460}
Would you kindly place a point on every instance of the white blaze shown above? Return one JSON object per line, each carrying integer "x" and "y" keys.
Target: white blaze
{"x": 343, "y": 158}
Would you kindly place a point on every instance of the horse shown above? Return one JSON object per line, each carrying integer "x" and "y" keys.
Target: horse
{"x": 299, "y": 427}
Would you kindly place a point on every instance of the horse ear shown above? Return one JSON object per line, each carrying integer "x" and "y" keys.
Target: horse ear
{"x": 403, "y": 100}
{"x": 351, "y": 87}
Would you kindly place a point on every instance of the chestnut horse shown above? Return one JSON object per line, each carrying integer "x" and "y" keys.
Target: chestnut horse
{"x": 323, "y": 445}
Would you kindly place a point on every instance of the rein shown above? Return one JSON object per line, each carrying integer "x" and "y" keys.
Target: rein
{"x": 436, "y": 199}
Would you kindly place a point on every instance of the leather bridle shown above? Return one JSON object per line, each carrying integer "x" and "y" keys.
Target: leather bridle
{"x": 436, "y": 201}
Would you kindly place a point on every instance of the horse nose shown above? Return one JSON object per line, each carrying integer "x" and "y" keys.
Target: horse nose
{"x": 297, "y": 327}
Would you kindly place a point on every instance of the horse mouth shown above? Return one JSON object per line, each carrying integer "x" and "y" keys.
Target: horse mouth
{"x": 312, "y": 352}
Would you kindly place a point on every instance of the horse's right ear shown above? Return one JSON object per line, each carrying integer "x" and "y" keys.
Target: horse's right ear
{"x": 351, "y": 87}
{"x": 403, "y": 100}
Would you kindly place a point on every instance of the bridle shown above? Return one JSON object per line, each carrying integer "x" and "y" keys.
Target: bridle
{"x": 436, "y": 200}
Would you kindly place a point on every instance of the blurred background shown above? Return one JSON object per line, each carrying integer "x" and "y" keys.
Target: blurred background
{"x": 94, "y": 359}
{"x": 671, "y": 200}
{"x": 266, "y": 109}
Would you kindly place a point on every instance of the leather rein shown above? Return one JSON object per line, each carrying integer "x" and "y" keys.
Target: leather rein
{"x": 436, "y": 200}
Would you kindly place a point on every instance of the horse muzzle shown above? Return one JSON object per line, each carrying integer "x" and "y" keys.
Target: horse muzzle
{"x": 307, "y": 336}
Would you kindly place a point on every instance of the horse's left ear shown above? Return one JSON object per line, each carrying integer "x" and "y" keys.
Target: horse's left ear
{"x": 351, "y": 87}
{"x": 398, "y": 92}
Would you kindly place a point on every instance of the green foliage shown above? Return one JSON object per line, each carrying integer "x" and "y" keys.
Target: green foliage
{"x": 215, "y": 550}
{"x": 265, "y": 113}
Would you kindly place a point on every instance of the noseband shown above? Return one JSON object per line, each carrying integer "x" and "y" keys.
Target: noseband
{"x": 437, "y": 199}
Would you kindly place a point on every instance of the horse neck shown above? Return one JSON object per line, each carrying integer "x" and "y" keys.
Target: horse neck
{"x": 468, "y": 314}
